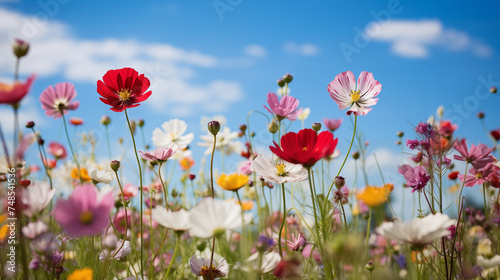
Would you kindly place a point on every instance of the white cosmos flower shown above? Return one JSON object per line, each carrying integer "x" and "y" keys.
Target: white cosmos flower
{"x": 113, "y": 254}
{"x": 211, "y": 217}
{"x": 172, "y": 134}
{"x": 101, "y": 175}
{"x": 37, "y": 196}
{"x": 34, "y": 229}
{"x": 225, "y": 142}
{"x": 200, "y": 267}
{"x": 305, "y": 113}
{"x": 488, "y": 263}
{"x": 5, "y": 167}
{"x": 269, "y": 262}
{"x": 178, "y": 221}
{"x": 419, "y": 231}
{"x": 276, "y": 172}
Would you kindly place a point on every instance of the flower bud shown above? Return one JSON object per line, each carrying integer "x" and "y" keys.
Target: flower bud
{"x": 316, "y": 126}
{"x": 140, "y": 122}
{"x": 41, "y": 141}
{"x": 243, "y": 128}
{"x": 355, "y": 155}
{"x": 214, "y": 127}
{"x": 493, "y": 89}
{"x": 192, "y": 177}
{"x": 339, "y": 182}
{"x": 287, "y": 78}
{"x": 252, "y": 134}
{"x": 370, "y": 266}
{"x": 24, "y": 183}
{"x": 30, "y": 124}
{"x": 398, "y": 142}
{"x": 400, "y": 134}
{"x": 480, "y": 115}
{"x": 105, "y": 120}
{"x": 281, "y": 83}
{"x": 201, "y": 245}
{"x": 273, "y": 127}
{"x": 20, "y": 48}
{"x": 115, "y": 165}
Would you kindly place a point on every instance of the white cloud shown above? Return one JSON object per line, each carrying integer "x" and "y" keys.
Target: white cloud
{"x": 416, "y": 38}
{"x": 255, "y": 50}
{"x": 27, "y": 112}
{"x": 54, "y": 51}
{"x": 306, "y": 49}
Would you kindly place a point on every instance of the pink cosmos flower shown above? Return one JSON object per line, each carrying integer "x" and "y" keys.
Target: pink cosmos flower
{"x": 417, "y": 177}
{"x": 57, "y": 150}
{"x": 83, "y": 213}
{"x": 12, "y": 94}
{"x": 245, "y": 167}
{"x": 57, "y": 101}
{"x": 121, "y": 220}
{"x": 160, "y": 155}
{"x": 479, "y": 156}
{"x": 286, "y": 108}
{"x": 345, "y": 93}
{"x": 332, "y": 124}
{"x": 296, "y": 243}
{"x": 130, "y": 190}
{"x": 480, "y": 176}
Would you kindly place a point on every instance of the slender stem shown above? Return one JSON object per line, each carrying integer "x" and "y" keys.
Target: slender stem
{"x": 16, "y": 125}
{"x": 5, "y": 150}
{"x": 140, "y": 180}
{"x": 107, "y": 140}
{"x": 163, "y": 185}
{"x": 368, "y": 229}
{"x": 126, "y": 214}
{"x": 343, "y": 214}
{"x": 346, "y": 156}
{"x": 43, "y": 159}
{"x": 176, "y": 250}
{"x": 485, "y": 189}
{"x": 316, "y": 225}
{"x": 242, "y": 220}
{"x": 16, "y": 70}
{"x": 71, "y": 147}
{"x": 462, "y": 188}
{"x": 282, "y": 222}
{"x": 213, "y": 196}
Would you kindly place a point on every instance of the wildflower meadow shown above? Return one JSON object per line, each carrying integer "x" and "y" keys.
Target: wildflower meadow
{"x": 140, "y": 202}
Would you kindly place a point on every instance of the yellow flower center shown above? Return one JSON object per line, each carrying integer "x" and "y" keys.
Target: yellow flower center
{"x": 355, "y": 96}
{"x": 205, "y": 270}
{"x": 479, "y": 175}
{"x": 124, "y": 94}
{"x": 280, "y": 169}
{"x": 304, "y": 149}
{"x": 173, "y": 135}
{"x": 86, "y": 217}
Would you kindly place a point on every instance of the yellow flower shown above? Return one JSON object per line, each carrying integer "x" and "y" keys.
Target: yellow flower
{"x": 81, "y": 274}
{"x": 246, "y": 205}
{"x": 375, "y": 196}
{"x": 83, "y": 173}
{"x": 3, "y": 229}
{"x": 186, "y": 163}
{"x": 232, "y": 182}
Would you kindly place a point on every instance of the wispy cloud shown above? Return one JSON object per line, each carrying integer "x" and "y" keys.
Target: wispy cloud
{"x": 306, "y": 49}
{"x": 255, "y": 50}
{"x": 411, "y": 38}
{"x": 171, "y": 69}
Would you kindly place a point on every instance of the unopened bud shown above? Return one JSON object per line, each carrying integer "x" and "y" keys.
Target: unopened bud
{"x": 105, "y": 120}
{"x": 493, "y": 89}
{"x": 140, "y": 122}
{"x": 115, "y": 165}
{"x": 243, "y": 128}
{"x": 287, "y": 78}
{"x": 355, "y": 155}
{"x": 41, "y": 141}
{"x": 252, "y": 134}
{"x": 201, "y": 245}
{"x": 20, "y": 48}
{"x": 24, "y": 183}
{"x": 316, "y": 126}
{"x": 480, "y": 115}
{"x": 214, "y": 127}
{"x": 281, "y": 83}
{"x": 339, "y": 182}
{"x": 400, "y": 134}
{"x": 273, "y": 127}
{"x": 30, "y": 124}
{"x": 192, "y": 177}
{"x": 370, "y": 266}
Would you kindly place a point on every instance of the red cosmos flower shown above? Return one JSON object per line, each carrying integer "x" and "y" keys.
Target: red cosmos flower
{"x": 495, "y": 134}
{"x": 123, "y": 88}
{"x": 12, "y": 94}
{"x": 305, "y": 147}
{"x": 453, "y": 175}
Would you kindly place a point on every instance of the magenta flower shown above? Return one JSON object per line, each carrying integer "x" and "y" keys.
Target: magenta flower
{"x": 83, "y": 213}
{"x": 57, "y": 150}
{"x": 160, "y": 155}
{"x": 479, "y": 156}
{"x": 480, "y": 176}
{"x": 57, "y": 101}
{"x": 417, "y": 177}
{"x": 296, "y": 243}
{"x": 345, "y": 93}
{"x": 332, "y": 124}
{"x": 286, "y": 108}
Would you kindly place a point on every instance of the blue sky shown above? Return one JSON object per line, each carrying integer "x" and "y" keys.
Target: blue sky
{"x": 223, "y": 57}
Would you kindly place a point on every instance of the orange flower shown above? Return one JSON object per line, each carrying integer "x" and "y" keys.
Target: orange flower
{"x": 232, "y": 182}
{"x": 375, "y": 196}
{"x": 186, "y": 163}
{"x": 81, "y": 274}
{"x": 76, "y": 121}
{"x": 3, "y": 229}
{"x": 245, "y": 205}
{"x": 83, "y": 174}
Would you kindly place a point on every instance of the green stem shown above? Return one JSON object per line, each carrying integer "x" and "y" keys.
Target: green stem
{"x": 107, "y": 140}
{"x": 71, "y": 147}
{"x": 126, "y": 214}
{"x": 282, "y": 222}
{"x": 462, "y": 188}
{"x": 176, "y": 250}
{"x": 368, "y": 230}
{"x": 140, "y": 188}
{"x": 163, "y": 185}
{"x": 485, "y": 189}
{"x": 313, "y": 203}
{"x": 346, "y": 156}
{"x": 213, "y": 196}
